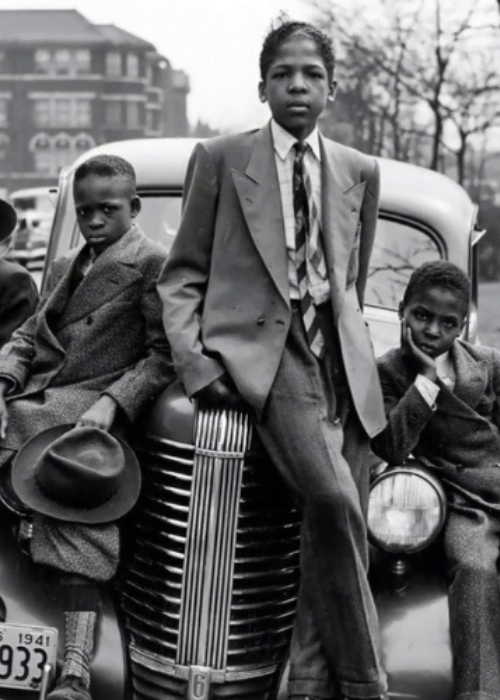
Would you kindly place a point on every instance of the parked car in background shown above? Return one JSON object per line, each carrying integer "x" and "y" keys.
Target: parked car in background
{"x": 35, "y": 209}
{"x": 206, "y": 604}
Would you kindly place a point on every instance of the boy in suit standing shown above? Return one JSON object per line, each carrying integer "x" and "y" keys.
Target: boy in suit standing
{"x": 442, "y": 398}
{"x": 94, "y": 354}
{"x": 18, "y": 293}
{"x": 262, "y": 295}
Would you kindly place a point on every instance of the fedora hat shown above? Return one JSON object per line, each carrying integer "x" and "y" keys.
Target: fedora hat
{"x": 77, "y": 474}
{"x": 8, "y": 219}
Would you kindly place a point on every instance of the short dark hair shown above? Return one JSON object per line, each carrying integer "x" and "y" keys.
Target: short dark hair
{"x": 439, "y": 273}
{"x": 285, "y": 30}
{"x": 108, "y": 166}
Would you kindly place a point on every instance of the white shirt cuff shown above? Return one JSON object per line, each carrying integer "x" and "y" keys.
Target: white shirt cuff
{"x": 428, "y": 390}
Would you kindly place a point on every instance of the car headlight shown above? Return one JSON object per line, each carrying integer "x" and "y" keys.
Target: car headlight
{"x": 407, "y": 510}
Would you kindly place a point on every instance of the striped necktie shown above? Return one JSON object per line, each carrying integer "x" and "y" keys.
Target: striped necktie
{"x": 302, "y": 206}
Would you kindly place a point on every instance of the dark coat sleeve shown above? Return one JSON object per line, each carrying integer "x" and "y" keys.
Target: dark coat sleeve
{"x": 17, "y": 355}
{"x": 18, "y": 300}
{"x": 407, "y": 415}
{"x": 183, "y": 281}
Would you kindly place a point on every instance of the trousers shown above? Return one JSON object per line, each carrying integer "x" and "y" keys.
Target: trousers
{"x": 472, "y": 548}
{"x": 314, "y": 438}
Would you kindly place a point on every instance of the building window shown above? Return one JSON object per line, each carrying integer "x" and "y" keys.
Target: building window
{"x": 4, "y": 112}
{"x": 113, "y": 64}
{"x": 61, "y": 112}
{"x": 52, "y": 153}
{"x": 83, "y": 61}
{"x": 133, "y": 115}
{"x": 132, "y": 65}
{"x": 114, "y": 114}
{"x": 82, "y": 113}
{"x": 42, "y": 154}
{"x": 62, "y": 61}
{"x": 66, "y": 112}
{"x": 4, "y": 147}
{"x": 41, "y": 113}
{"x": 82, "y": 143}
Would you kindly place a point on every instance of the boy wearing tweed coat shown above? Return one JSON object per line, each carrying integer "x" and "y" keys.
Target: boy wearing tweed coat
{"x": 94, "y": 354}
{"x": 442, "y": 399}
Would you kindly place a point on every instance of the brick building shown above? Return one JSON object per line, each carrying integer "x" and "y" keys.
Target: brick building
{"x": 67, "y": 84}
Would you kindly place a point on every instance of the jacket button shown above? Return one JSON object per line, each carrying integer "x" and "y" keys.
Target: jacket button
{"x": 460, "y": 467}
{"x": 261, "y": 321}
{"x": 90, "y": 320}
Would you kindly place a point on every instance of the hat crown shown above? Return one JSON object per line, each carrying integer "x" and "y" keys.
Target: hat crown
{"x": 80, "y": 469}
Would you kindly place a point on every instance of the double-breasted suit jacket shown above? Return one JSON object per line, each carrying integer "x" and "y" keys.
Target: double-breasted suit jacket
{"x": 105, "y": 337}
{"x": 18, "y": 298}
{"x": 225, "y": 285}
{"x": 460, "y": 439}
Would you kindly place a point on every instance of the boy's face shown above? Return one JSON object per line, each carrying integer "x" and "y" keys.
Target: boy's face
{"x": 436, "y": 316}
{"x": 297, "y": 86}
{"x": 104, "y": 209}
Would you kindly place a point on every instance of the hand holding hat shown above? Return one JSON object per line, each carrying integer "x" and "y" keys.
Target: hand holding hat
{"x": 81, "y": 475}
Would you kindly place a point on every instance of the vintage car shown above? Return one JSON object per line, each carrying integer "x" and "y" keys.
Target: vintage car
{"x": 204, "y": 605}
{"x": 35, "y": 209}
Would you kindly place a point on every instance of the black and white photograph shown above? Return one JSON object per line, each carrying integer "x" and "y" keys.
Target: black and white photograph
{"x": 250, "y": 350}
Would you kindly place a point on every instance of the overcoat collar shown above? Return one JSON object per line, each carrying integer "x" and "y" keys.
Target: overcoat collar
{"x": 113, "y": 271}
{"x": 260, "y": 198}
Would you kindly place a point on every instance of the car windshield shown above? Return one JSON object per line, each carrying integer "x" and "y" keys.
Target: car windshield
{"x": 399, "y": 247}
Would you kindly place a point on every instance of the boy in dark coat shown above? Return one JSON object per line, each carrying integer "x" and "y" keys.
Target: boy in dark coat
{"x": 262, "y": 294}
{"x": 94, "y": 354}
{"x": 442, "y": 399}
{"x": 18, "y": 293}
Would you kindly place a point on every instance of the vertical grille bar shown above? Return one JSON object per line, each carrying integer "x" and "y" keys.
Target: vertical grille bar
{"x": 221, "y": 440}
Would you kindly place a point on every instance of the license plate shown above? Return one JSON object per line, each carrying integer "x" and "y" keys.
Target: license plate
{"x": 24, "y": 651}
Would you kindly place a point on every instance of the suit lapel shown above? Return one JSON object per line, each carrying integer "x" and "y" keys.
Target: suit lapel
{"x": 113, "y": 271}
{"x": 341, "y": 201}
{"x": 259, "y": 195}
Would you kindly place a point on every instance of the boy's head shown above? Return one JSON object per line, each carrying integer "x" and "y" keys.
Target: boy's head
{"x": 104, "y": 190}
{"x": 435, "y": 306}
{"x": 296, "y": 66}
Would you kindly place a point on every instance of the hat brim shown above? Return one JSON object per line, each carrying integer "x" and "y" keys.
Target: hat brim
{"x": 26, "y": 489}
{"x": 8, "y": 219}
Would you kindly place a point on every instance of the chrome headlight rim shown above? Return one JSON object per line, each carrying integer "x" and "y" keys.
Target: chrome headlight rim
{"x": 412, "y": 469}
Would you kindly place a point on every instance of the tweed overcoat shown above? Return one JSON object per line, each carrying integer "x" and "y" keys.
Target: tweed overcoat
{"x": 18, "y": 298}
{"x": 107, "y": 337}
{"x": 460, "y": 440}
{"x": 225, "y": 286}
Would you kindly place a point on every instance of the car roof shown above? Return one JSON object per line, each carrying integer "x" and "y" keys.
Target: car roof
{"x": 407, "y": 190}
{"x": 30, "y": 192}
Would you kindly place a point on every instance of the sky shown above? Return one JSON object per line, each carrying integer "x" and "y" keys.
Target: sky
{"x": 217, "y": 42}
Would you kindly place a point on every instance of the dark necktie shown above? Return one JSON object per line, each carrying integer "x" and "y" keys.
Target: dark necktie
{"x": 301, "y": 210}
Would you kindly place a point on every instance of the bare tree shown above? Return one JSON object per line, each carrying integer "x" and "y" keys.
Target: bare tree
{"x": 426, "y": 69}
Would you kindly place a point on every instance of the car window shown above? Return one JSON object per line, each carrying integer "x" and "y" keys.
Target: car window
{"x": 399, "y": 249}
{"x": 160, "y": 216}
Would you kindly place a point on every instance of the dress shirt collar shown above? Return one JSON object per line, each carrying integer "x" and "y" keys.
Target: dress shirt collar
{"x": 283, "y": 141}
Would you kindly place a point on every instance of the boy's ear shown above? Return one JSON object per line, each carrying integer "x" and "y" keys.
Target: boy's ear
{"x": 332, "y": 91}
{"x": 262, "y": 91}
{"x": 135, "y": 206}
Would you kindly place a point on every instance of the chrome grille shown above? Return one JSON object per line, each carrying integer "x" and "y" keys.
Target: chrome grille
{"x": 201, "y": 590}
